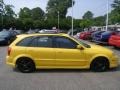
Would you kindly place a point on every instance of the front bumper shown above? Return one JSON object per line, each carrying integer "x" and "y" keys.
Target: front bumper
{"x": 114, "y": 62}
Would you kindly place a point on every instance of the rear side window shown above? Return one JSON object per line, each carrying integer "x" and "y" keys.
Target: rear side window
{"x": 25, "y": 41}
{"x": 43, "y": 41}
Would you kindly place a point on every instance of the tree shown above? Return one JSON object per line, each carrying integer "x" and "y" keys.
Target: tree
{"x": 27, "y": 23}
{"x": 9, "y": 11}
{"x": 77, "y": 23}
{"x": 116, "y": 5}
{"x": 99, "y": 21}
{"x": 54, "y": 6}
{"x": 88, "y": 15}
{"x": 1, "y": 6}
{"x": 114, "y": 17}
{"x": 115, "y": 13}
{"x": 69, "y": 17}
{"x": 25, "y": 13}
{"x": 9, "y": 16}
{"x": 37, "y": 13}
{"x": 19, "y": 24}
{"x": 86, "y": 23}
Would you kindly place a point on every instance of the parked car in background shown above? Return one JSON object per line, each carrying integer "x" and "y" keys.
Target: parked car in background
{"x": 18, "y": 32}
{"x": 48, "y": 31}
{"x": 94, "y": 34}
{"x": 6, "y": 37}
{"x": 114, "y": 40}
{"x": 74, "y": 32}
{"x": 104, "y": 37}
{"x": 30, "y": 31}
{"x": 86, "y": 35}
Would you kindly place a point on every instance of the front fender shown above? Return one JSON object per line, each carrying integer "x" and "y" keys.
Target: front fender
{"x": 99, "y": 55}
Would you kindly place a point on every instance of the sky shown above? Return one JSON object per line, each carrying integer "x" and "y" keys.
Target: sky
{"x": 97, "y": 7}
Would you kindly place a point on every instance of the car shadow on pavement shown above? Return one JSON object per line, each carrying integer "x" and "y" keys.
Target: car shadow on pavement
{"x": 57, "y": 70}
{"x": 69, "y": 70}
{"x": 114, "y": 69}
{"x": 62, "y": 70}
{"x": 73, "y": 70}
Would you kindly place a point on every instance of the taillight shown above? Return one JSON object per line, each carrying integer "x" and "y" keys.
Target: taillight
{"x": 9, "y": 51}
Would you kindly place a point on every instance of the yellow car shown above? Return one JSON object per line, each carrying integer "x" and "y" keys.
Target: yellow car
{"x": 48, "y": 51}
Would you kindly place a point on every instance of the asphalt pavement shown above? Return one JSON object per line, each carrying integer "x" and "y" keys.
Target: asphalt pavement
{"x": 11, "y": 79}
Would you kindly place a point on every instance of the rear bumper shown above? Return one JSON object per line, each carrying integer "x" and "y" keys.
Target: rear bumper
{"x": 9, "y": 61}
{"x": 10, "y": 64}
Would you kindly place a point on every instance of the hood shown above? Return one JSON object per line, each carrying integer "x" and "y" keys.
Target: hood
{"x": 100, "y": 49}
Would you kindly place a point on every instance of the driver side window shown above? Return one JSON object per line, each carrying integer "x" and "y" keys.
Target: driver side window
{"x": 62, "y": 42}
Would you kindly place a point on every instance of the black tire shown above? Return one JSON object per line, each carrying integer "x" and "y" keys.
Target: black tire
{"x": 25, "y": 65}
{"x": 100, "y": 65}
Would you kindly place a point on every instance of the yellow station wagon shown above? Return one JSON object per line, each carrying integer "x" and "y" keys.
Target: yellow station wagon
{"x": 48, "y": 51}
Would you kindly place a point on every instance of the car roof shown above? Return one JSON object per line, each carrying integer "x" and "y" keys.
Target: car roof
{"x": 42, "y": 34}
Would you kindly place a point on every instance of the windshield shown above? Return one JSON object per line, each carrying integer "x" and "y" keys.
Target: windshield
{"x": 82, "y": 42}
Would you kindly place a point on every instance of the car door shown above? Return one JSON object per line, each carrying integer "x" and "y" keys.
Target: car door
{"x": 67, "y": 54}
{"x": 40, "y": 48}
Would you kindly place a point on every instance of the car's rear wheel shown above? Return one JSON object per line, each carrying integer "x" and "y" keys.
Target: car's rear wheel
{"x": 25, "y": 65}
{"x": 100, "y": 64}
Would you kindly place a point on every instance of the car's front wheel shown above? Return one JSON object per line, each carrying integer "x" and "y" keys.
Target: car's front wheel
{"x": 100, "y": 65}
{"x": 25, "y": 65}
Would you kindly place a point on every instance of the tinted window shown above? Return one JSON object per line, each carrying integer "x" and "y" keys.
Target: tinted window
{"x": 82, "y": 42}
{"x": 62, "y": 42}
{"x": 42, "y": 41}
{"x": 25, "y": 41}
{"x": 33, "y": 43}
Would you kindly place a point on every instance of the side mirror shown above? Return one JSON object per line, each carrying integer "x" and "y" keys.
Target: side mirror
{"x": 80, "y": 47}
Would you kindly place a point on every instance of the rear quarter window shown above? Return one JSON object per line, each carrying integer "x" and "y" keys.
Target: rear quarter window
{"x": 24, "y": 42}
